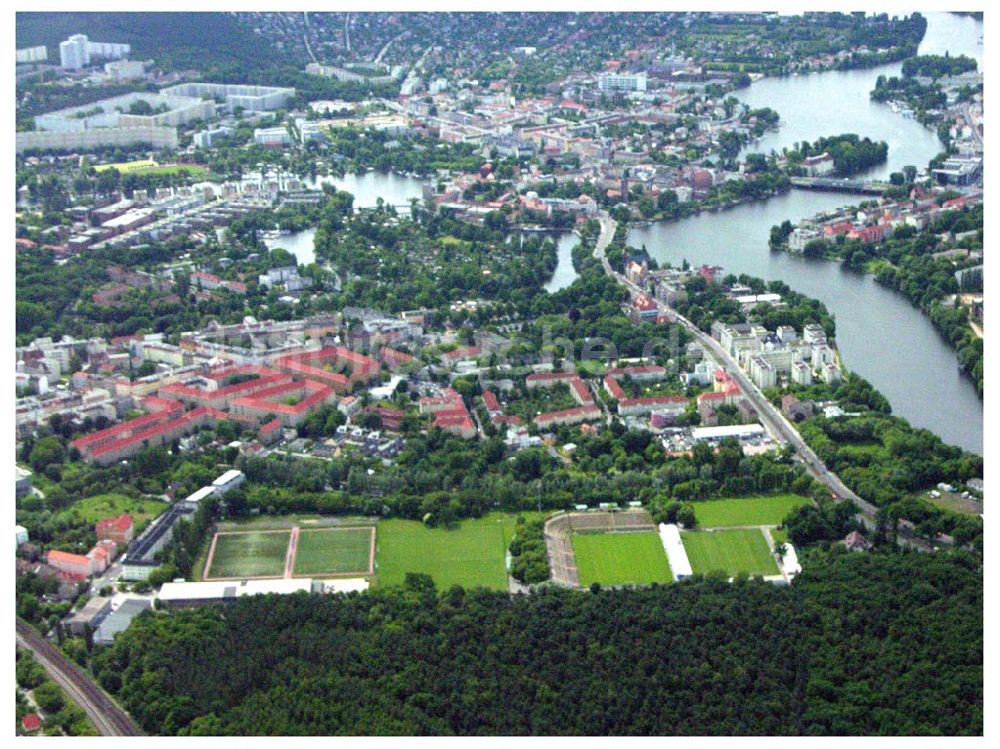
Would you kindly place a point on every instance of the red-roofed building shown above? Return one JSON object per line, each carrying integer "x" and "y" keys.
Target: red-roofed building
{"x": 462, "y": 353}
{"x": 644, "y": 309}
{"x": 644, "y": 373}
{"x": 391, "y": 418}
{"x": 842, "y": 227}
{"x": 871, "y": 233}
{"x": 75, "y": 564}
{"x": 568, "y": 416}
{"x": 213, "y": 391}
{"x": 614, "y": 389}
{"x": 119, "y": 529}
{"x": 393, "y": 359}
{"x": 307, "y": 395}
{"x": 208, "y": 282}
{"x": 548, "y": 379}
{"x": 491, "y": 403}
{"x": 507, "y": 420}
{"x": 325, "y": 365}
{"x": 448, "y": 400}
{"x": 31, "y": 723}
{"x": 676, "y": 404}
{"x": 270, "y": 432}
{"x": 580, "y": 392}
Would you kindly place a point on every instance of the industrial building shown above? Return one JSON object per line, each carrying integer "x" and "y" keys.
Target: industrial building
{"x": 120, "y": 619}
{"x": 140, "y": 560}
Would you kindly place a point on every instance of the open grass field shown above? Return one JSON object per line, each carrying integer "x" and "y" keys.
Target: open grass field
{"x": 620, "y": 558}
{"x": 733, "y": 552}
{"x": 471, "y": 554}
{"x": 768, "y": 510}
{"x": 334, "y": 551}
{"x": 92, "y": 509}
{"x": 253, "y": 554}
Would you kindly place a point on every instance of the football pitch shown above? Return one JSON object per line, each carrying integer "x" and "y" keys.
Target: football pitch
{"x": 253, "y": 554}
{"x": 767, "y": 510}
{"x": 471, "y": 554}
{"x": 334, "y": 551}
{"x": 733, "y": 552}
{"x": 314, "y": 552}
{"x": 620, "y": 558}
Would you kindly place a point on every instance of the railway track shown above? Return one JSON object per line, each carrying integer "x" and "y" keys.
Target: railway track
{"x": 108, "y": 718}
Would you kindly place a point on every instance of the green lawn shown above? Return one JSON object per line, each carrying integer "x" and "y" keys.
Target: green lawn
{"x": 736, "y": 551}
{"x": 333, "y": 552}
{"x": 249, "y": 554}
{"x": 780, "y": 536}
{"x": 101, "y": 506}
{"x": 590, "y": 367}
{"x": 769, "y": 510}
{"x": 621, "y": 558}
{"x": 471, "y": 554}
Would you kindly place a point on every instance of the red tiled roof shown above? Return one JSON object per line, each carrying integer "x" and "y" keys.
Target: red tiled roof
{"x": 653, "y": 400}
{"x": 490, "y": 399}
{"x": 590, "y": 410}
{"x": 65, "y": 556}
{"x": 581, "y": 390}
{"x": 31, "y": 722}
{"x": 181, "y": 421}
{"x": 270, "y": 426}
{"x": 121, "y": 523}
{"x": 463, "y": 352}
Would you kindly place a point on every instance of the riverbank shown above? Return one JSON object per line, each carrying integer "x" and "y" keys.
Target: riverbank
{"x": 921, "y": 248}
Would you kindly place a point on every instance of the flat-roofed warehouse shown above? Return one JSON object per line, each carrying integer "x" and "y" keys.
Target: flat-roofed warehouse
{"x": 739, "y": 431}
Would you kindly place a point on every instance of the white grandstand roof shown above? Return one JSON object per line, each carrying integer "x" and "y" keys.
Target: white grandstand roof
{"x": 670, "y": 537}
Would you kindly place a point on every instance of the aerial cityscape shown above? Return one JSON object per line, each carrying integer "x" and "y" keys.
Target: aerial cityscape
{"x": 478, "y": 374}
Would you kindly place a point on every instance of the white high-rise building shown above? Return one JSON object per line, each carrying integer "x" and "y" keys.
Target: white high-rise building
{"x": 622, "y": 82}
{"x": 32, "y": 54}
{"x": 74, "y": 53}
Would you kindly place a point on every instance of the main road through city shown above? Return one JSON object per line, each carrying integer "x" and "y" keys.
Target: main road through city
{"x": 107, "y": 717}
{"x": 772, "y": 419}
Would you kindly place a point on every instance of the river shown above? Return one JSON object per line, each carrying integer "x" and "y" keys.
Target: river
{"x": 881, "y": 335}
{"x": 565, "y": 273}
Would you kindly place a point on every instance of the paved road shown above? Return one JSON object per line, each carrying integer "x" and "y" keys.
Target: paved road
{"x": 108, "y": 718}
{"x": 772, "y": 419}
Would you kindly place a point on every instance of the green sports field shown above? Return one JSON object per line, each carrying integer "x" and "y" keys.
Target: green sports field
{"x": 249, "y": 554}
{"x": 333, "y": 552}
{"x": 471, "y": 554}
{"x": 620, "y": 558}
{"x": 736, "y": 551}
{"x": 769, "y": 510}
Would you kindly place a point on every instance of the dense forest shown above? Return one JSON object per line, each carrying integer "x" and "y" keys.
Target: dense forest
{"x": 846, "y": 650}
{"x": 937, "y": 66}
